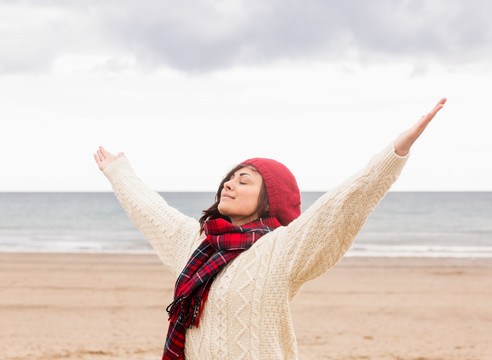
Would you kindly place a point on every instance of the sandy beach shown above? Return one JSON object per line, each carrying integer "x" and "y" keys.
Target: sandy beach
{"x": 101, "y": 306}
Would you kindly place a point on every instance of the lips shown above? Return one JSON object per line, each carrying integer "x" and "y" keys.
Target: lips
{"x": 227, "y": 196}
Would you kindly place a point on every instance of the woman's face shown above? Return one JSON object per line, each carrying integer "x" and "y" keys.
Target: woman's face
{"x": 240, "y": 195}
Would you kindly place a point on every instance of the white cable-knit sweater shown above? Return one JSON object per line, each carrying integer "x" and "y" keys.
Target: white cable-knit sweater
{"x": 247, "y": 314}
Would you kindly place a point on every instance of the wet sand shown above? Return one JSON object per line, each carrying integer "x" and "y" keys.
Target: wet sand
{"x": 95, "y": 306}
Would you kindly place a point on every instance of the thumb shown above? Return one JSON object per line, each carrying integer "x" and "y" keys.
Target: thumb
{"x": 121, "y": 154}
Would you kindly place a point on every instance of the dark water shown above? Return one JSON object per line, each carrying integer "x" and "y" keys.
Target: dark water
{"x": 437, "y": 224}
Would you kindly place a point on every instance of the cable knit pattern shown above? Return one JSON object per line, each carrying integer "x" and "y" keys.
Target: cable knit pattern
{"x": 247, "y": 314}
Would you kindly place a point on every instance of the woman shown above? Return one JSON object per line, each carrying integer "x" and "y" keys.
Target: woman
{"x": 239, "y": 267}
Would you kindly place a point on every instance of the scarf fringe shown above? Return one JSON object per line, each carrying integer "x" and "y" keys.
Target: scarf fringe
{"x": 177, "y": 308}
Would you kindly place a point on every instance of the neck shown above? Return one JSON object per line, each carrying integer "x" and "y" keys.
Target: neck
{"x": 243, "y": 221}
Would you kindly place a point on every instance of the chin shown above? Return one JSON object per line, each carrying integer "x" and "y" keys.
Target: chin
{"x": 222, "y": 211}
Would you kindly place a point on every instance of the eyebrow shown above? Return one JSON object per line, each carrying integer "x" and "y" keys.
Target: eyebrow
{"x": 241, "y": 174}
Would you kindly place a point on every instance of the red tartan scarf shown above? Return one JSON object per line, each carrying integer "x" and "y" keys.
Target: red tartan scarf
{"x": 224, "y": 242}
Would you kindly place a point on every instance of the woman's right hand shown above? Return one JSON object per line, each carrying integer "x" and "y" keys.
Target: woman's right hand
{"x": 104, "y": 158}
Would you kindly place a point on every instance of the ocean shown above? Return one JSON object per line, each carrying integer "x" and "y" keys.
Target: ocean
{"x": 404, "y": 224}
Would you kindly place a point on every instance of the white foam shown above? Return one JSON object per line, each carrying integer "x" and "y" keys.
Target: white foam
{"x": 420, "y": 251}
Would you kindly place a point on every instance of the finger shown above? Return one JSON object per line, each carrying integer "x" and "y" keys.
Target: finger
{"x": 103, "y": 151}
{"x": 101, "y": 156}
{"x": 434, "y": 111}
{"x": 426, "y": 119}
{"x": 438, "y": 106}
{"x": 96, "y": 158}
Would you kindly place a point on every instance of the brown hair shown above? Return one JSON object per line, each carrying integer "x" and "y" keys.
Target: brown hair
{"x": 213, "y": 211}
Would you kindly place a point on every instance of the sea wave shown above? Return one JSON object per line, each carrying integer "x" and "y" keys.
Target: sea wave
{"x": 355, "y": 251}
{"x": 420, "y": 251}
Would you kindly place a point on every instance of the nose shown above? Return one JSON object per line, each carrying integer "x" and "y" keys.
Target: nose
{"x": 228, "y": 185}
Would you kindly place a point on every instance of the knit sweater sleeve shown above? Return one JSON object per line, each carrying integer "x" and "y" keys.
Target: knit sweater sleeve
{"x": 317, "y": 239}
{"x": 171, "y": 233}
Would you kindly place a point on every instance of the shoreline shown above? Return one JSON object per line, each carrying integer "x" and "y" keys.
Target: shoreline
{"x": 152, "y": 254}
{"x": 359, "y": 255}
{"x": 112, "y": 306}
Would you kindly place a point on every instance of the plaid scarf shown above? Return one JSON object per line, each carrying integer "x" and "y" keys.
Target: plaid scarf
{"x": 223, "y": 243}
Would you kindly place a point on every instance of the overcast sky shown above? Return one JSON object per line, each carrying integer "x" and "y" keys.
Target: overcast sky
{"x": 187, "y": 89}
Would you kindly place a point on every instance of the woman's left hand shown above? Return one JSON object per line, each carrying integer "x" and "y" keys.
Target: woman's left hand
{"x": 405, "y": 140}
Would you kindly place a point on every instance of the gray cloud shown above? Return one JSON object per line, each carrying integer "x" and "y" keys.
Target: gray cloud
{"x": 204, "y": 35}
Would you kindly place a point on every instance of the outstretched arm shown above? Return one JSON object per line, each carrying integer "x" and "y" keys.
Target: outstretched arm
{"x": 171, "y": 233}
{"x": 316, "y": 240}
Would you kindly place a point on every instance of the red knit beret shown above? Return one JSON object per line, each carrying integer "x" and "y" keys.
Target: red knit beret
{"x": 284, "y": 197}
